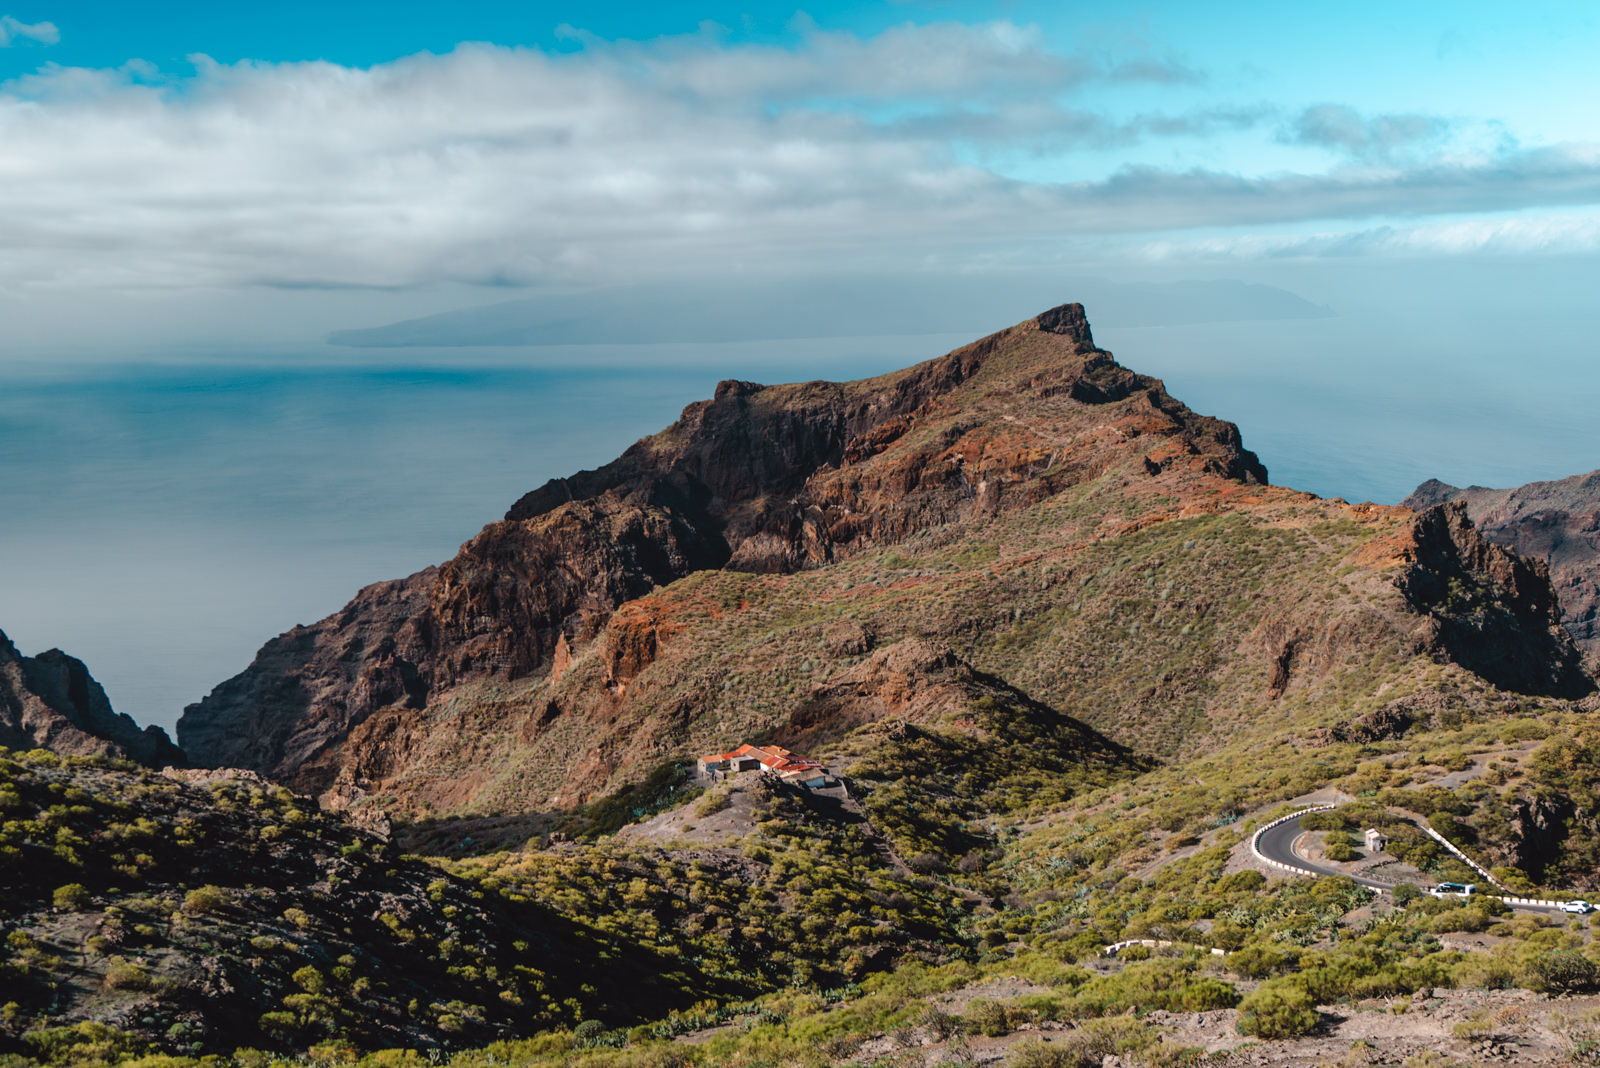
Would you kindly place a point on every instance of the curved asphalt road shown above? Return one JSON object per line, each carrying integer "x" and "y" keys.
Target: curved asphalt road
{"x": 1277, "y": 844}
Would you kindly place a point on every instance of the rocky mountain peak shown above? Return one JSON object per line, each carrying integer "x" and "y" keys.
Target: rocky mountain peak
{"x": 1070, "y": 321}
{"x": 51, "y": 701}
{"x": 1006, "y": 522}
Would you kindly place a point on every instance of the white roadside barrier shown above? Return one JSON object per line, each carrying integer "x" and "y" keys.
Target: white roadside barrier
{"x": 1117, "y": 947}
{"x": 1255, "y": 840}
{"x": 1255, "y": 849}
{"x": 1468, "y": 861}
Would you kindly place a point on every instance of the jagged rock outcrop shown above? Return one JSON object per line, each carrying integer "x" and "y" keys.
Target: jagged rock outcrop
{"x": 1488, "y": 609}
{"x": 50, "y": 701}
{"x": 1557, "y": 522}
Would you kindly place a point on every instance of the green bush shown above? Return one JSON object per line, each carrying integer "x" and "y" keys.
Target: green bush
{"x": 1279, "y": 1008}
{"x": 71, "y": 897}
{"x": 125, "y": 975}
{"x": 987, "y": 1017}
{"x": 1073, "y": 1050}
{"x": 1565, "y": 971}
{"x": 203, "y": 899}
{"x": 83, "y": 1043}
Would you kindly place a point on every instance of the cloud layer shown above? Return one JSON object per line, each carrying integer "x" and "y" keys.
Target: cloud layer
{"x": 14, "y": 32}
{"x": 625, "y": 160}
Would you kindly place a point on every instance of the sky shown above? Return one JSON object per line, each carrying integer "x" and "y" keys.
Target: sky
{"x": 295, "y": 297}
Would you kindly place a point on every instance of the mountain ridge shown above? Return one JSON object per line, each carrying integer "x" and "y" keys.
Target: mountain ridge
{"x": 994, "y": 500}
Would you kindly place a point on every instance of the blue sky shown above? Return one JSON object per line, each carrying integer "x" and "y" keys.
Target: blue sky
{"x": 202, "y": 162}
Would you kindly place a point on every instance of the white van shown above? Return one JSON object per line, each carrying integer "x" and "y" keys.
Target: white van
{"x": 1454, "y": 890}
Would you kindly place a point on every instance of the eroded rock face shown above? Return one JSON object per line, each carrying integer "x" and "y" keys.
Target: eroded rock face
{"x": 696, "y": 590}
{"x": 1557, "y": 522}
{"x": 50, "y": 701}
{"x": 763, "y": 479}
{"x": 1488, "y": 609}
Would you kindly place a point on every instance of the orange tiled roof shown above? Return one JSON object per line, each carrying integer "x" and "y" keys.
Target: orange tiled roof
{"x": 772, "y": 757}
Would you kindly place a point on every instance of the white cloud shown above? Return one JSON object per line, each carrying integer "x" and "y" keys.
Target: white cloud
{"x": 627, "y": 160}
{"x": 1378, "y": 137}
{"x": 13, "y": 31}
{"x": 1541, "y": 235}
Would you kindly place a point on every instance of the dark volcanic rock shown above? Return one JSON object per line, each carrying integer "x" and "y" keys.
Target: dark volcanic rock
{"x": 1557, "y": 522}
{"x": 1488, "y": 609}
{"x": 759, "y": 478}
{"x": 50, "y": 701}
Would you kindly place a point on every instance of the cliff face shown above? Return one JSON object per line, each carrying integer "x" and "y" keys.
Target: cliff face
{"x": 1556, "y": 522}
{"x": 1057, "y": 522}
{"x": 759, "y": 479}
{"x": 50, "y": 701}
{"x": 1488, "y": 609}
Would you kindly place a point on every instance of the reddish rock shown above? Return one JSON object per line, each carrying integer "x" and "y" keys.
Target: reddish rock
{"x": 759, "y": 478}
{"x": 546, "y": 660}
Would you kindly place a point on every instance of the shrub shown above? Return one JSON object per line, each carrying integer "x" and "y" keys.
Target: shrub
{"x": 987, "y": 1017}
{"x": 1279, "y": 1008}
{"x": 942, "y": 1025}
{"x": 713, "y": 803}
{"x": 1075, "y": 1050}
{"x": 1242, "y": 881}
{"x": 1338, "y": 849}
{"x": 1565, "y": 971}
{"x": 84, "y": 1043}
{"x": 72, "y": 897}
{"x": 126, "y": 975}
{"x": 310, "y": 980}
{"x": 203, "y": 899}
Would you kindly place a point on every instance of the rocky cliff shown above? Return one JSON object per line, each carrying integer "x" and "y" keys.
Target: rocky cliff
{"x": 50, "y": 701}
{"x": 1059, "y": 523}
{"x": 1557, "y": 522}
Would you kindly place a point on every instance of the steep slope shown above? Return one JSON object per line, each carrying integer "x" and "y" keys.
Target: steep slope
{"x": 205, "y": 911}
{"x": 51, "y": 701}
{"x": 1060, "y": 524}
{"x": 1557, "y": 522}
{"x": 758, "y": 478}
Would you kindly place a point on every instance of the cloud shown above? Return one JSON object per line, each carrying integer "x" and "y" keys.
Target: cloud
{"x": 619, "y": 161}
{"x": 1547, "y": 234}
{"x": 1377, "y": 137}
{"x": 12, "y": 31}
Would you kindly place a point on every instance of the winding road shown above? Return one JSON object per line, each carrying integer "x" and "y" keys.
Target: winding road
{"x": 1277, "y": 844}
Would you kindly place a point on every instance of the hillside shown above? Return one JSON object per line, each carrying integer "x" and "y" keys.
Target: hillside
{"x": 1557, "y": 522}
{"x": 201, "y": 912}
{"x": 1058, "y": 522}
{"x": 1061, "y": 648}
{"x": 51, "y": 701}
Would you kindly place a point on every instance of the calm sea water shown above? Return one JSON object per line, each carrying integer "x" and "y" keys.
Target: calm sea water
{"x": 162, "y": 521}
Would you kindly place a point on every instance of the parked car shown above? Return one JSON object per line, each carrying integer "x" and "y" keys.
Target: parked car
{"x": 1454, "y": 890}
{"x": 1577, "y": 907}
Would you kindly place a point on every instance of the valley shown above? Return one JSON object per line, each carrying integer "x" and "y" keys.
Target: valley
{"x": 1061, "y": 649}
